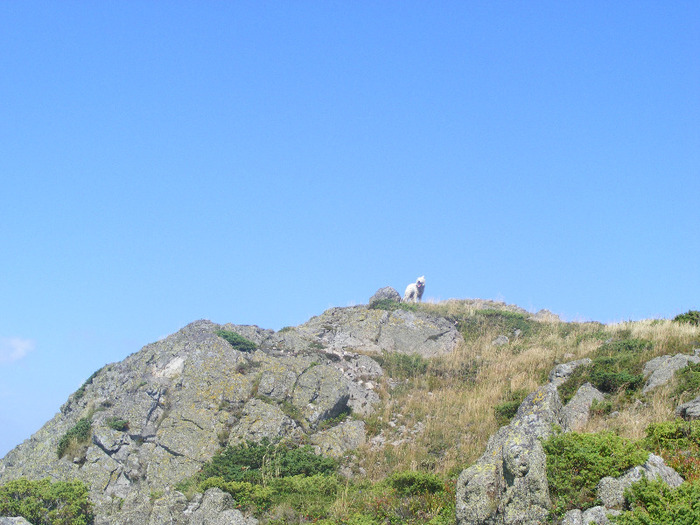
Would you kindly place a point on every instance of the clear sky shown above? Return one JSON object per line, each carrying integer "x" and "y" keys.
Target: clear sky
{"x": 259, "y": 162}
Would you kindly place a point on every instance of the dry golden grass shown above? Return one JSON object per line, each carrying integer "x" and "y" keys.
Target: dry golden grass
{"x": 441, "y": 420}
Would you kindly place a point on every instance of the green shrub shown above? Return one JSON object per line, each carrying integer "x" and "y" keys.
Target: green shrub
{"x": 691, "y": 316}
{"x": 688, "y": 381}
{"x": 237, "y": 341}
{"x": 616, "y": 366}
{"x": 310, "y": 496}
{"x": 257, "y": 462}
{"x": 120, "y": 425}
{"x": 77, "y": 435}
{"x": 504, "y": 321}
{"x": 389, "y": 305}
{"x": 655, "y": 503}
{"x": 577, "y": 462}
{"x": 248, "y": 496}
{"x": 507, "y": 409}
{"x": 46, "y": 503}
{"x": 411, "y": 483}
{"x": 678, "y": 442}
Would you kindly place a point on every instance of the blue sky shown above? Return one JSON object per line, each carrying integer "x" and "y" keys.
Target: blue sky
{"x": 259, "y": 162}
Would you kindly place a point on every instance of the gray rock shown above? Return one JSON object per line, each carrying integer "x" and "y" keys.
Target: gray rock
{"x": 217, "y": 508}
{"x": 611, "y": 490}
{"x": 509, "y": 486}
{"x": 500, "y": 340}
{"x": 660, "y": 370}
{"x": 359, "y": 329}
{"x": 575, "y": 414}
{"x": 598, "y": 515}
{"x": 385, "y": 294}
{"x": 689, "y": 410}
{"x": 320, "y": 393}
{"x": 14, "y": 521}
{"x": 262, "y": 420}
{"x": 337, "y": 441}
{"x": 573, "y": 517}
{"x": 561, "y": 373}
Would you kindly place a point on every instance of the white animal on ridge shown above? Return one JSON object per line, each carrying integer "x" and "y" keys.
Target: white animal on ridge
{"x": 414, "y": 291}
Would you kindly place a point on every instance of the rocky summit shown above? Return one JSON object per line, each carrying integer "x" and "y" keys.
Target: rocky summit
{"x": 403, "y": 400}
{"x": 161, "y": 413}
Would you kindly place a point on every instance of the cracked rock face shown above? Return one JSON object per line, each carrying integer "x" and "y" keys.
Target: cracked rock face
{"x": 161, "y": 413}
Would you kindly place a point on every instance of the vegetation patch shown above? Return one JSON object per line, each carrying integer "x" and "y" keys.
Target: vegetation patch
{"x": 577, "y": 462}
{"x": 402, "y": 366}
{"x": 678, "y": 442}
{"x": 507, "y": 409}
{"x": 655, "y": 503}
{"x": 616, "y": 366}
{"x": 687, "y": 382}
{"x": 78, "y": 394}
{"x": 237, "y": 341}
{"x": 75, "y": 438}
{"x": 691, "y": 317}
{"x": 46, "y": 503}
{"x": 259, "y": 462}
{"x": 389, "y": 305}
{"x": 115, "y": 423}
{"x": 501, "y": 321}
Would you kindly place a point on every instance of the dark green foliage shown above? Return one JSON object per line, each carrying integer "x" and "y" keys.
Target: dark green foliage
{"x": 655, "y": 503}
{"x": 120, "y": 425}
{"x": 688, "y": 381}
{"x": 248, "y": 496}
{"x": 577, "y": 462}
{"x": 412, "y": 483}
{"x": 254, "y": 462}
{"x": 678, "y": 442}
{"x": 507, "y": 409}
{"x": 237, "y": 341}
{"x": 80, "y": 433}
{"x": 691, "y": 316}
{"x": 388, "y": 304}
{"x": 616, "y": 366}
{"x": 46, "y": 503}
{"x": 402, "y": 366}
{"x": 505, "y": 321}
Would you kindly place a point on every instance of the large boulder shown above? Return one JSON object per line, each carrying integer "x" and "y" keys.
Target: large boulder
{"x": 611, "y": 490}
{"x": 576, "y": 413}
{"x": 660, "y": 370}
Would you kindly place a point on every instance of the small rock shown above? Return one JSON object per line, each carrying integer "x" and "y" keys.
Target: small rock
{"x": 384, "y": 294}
{"x": 500, "y": 341}
{"x": 689, "y": 410}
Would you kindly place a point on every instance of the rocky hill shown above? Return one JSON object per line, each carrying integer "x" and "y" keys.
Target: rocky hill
{"x": 381, "y": 390}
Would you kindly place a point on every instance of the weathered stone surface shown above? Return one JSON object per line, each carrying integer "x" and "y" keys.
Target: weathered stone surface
{"x": 360, "y": 329}
{"x": 385, "y": 294}
{"x": 561, "y": 373}
{"x": 262, "y": 420}
{"x": 598, "y": 515}
{"x": 14, "y": 521}
{"x": 337, "y": 441}
{"x": 320, "y": 393}
{"x": 217, "y": 508}
{"x": 689, "y": 410}
{"x": 611, "y": 490}
{"x": 660, "y": 370}
{"x": 500, "y": 340}
{"x": 575, "y": 414}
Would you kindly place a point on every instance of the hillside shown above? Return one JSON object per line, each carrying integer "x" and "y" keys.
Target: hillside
{"x": 361, "y": 415}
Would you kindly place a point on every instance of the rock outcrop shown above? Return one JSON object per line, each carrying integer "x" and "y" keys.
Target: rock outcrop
{"x": 660, "y": 370}
{"x": 160, "y": 414}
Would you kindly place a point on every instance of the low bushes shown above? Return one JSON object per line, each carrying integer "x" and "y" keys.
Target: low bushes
{"x": 76, "y": 437}
{"x": 577, "y": 462}
{"x": 46, "y": 503}
{"x": 237, "y": 341}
